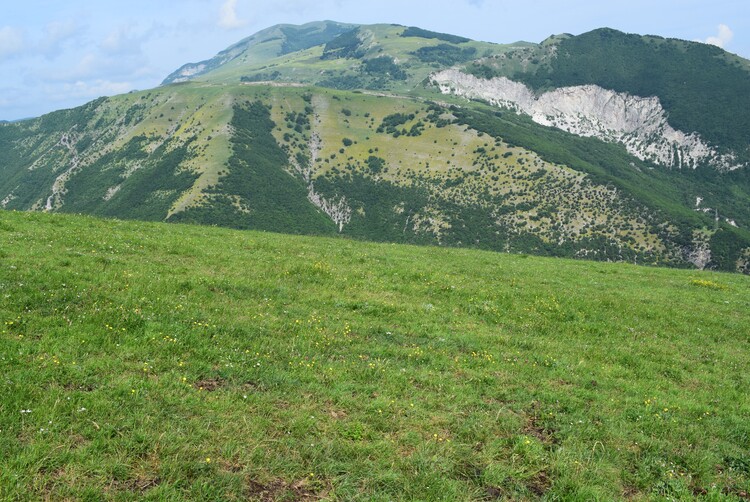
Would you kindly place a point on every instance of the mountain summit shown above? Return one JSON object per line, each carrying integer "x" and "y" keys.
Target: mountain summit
{"x": 604, "y": 145}
{"x": 265, "y": 45}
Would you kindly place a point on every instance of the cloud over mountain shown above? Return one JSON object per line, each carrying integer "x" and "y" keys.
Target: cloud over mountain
{"x": 228, "y": 17}
{"x": 723, "y": 36}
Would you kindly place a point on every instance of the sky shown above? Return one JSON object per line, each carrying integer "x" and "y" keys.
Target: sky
{"x": 60, "y": 54}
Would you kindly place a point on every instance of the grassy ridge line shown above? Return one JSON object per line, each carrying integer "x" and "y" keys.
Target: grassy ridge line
{"x": 156, "y": 361}
{"x": 344, "y": 69}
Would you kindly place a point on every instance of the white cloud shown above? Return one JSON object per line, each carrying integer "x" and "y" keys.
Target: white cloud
{"x": 98, "y": 88}
{"x": 11, "y": 41}
{"x": 86, "y": 89}
{"x": 722, "y": 38}
{"x": 56, "y": 35}
{"x": 88, "y": 64}
{"x": 124, "y": 39}
{"x": 99, "y": 65}
{"x": 11, "y": 97}
{"x": 228, "y": 18}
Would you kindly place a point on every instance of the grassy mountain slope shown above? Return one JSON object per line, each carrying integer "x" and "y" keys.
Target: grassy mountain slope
{"x": 156, "y": 361}
{"x": 102, "y": 151}
{"x": 401, "y": 170}
{"x": 380, "y": 56}
{"x": 264, "y": 46}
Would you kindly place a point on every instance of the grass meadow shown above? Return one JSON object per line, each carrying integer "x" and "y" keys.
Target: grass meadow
{"x": 146, "y": 361}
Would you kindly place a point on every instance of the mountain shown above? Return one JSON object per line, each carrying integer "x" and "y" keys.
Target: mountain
{"x": 686, "y": 93}
{"x": 605, "y": 145}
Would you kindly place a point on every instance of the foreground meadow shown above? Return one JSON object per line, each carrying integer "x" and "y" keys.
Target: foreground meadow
{"x": 143, "y": 361}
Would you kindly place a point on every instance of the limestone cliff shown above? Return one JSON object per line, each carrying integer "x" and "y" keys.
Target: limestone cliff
{"x": 640, "y": 124}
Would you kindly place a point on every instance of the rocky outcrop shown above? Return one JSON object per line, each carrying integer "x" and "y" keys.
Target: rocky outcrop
{"x": 699, "y": 254}
{"x": 8, "y": 198}
{"x": 185, "y": 73}
{"x": 640, "y": 124}
{"x": 338, "y": 210}
{"x": 68, "y": 141}
{"x": 743, "y": 262}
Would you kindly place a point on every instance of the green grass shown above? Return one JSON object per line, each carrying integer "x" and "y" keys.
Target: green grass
{"x": 175, "y": 362}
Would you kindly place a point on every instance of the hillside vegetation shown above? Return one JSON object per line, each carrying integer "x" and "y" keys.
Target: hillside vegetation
{"x": 320, "y": 161}
{"x": 177, "y": 362}
{"x": 330, "y": 128}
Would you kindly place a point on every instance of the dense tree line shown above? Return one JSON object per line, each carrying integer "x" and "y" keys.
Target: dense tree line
{"x": 445, "y": 54}
{"x": 346, "y": 45}
{"x": 413, "y": 31}
{"x": 298, "y": 38}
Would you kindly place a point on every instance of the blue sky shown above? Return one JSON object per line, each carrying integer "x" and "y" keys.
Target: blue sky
{"x": 58, "y": 54}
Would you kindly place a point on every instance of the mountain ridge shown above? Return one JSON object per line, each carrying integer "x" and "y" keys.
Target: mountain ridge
{"x": 352, "y": 126}
{"x": 330, "y": 29}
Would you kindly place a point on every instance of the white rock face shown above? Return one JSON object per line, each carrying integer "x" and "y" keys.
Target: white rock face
{"x": 699, "y": 254}
{"x": 640, "y": 124}
{"x": 336, "y": 209}
{"x": 68, "y": 141}
{"x": 186, "y": 72}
